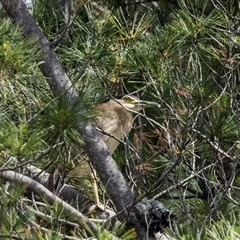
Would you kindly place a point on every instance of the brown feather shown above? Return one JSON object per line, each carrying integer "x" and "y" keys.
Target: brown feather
{"x": 114, "y": 121}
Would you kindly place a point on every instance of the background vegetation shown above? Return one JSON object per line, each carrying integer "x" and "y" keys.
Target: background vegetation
{"x": 183, "y": 55}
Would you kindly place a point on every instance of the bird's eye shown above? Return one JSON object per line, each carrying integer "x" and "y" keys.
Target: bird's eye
{"x": 127, "y": 99}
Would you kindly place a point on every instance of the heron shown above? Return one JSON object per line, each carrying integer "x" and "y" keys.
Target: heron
{"x": 114, "y": 123}
{"x": 115, "y": 120}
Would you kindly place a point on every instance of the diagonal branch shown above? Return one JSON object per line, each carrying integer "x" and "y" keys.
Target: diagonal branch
{"x": 39, "y": 189}
{"x": 59, "y": 83}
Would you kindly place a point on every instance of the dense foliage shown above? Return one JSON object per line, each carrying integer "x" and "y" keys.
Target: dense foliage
{"x": 183, "y": 55}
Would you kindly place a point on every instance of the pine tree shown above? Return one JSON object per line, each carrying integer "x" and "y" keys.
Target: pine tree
{"x": 180, "y": 54}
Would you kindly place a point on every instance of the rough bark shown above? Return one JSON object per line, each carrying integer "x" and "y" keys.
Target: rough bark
{"x": 39, "y": 189}
{"x": 69, "y": 194}
{"x": 116, "y": 185}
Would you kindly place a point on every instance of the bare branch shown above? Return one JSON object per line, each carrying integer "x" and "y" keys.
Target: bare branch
{"x": 59, "y": 82}
{"x": 234, "y": 32}
{"x": 39, "y": 189}
{"x": 182, "y": 183}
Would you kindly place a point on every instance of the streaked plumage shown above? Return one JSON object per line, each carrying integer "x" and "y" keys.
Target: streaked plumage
{"x": 114, "y": 122}
{"x": 116, "y": 118}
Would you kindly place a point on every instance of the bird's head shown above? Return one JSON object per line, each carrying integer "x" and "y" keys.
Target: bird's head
{"x": 133, "y": 103}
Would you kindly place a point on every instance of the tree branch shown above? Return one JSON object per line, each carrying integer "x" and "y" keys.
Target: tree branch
{"x": 59, "y": 83}
{"x": 39, "y": 189}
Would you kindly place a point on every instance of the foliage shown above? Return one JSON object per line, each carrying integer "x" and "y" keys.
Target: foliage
{"x": 186, "y": 153}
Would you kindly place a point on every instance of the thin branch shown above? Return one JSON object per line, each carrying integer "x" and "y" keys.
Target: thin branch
{"x": 234, "y": 32}
{"x": 181, "y": 183}
{"x": 39, "y": 189}
{"x": 116, "y": 185}
{"x": 69, "y": 22}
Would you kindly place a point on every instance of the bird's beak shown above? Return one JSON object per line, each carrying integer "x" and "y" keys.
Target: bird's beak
{"x": 146, "y": 104}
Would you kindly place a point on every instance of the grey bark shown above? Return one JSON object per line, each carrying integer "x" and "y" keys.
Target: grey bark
{"x": 116, "y": 186}
{"x": 69, "y": 194}
{"x": 59, "y": 83}
{"x": 39, "y": 189}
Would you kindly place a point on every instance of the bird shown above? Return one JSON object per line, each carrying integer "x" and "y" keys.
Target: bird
{"x": 114, "y": 122}
{"x": 115, "y": 119}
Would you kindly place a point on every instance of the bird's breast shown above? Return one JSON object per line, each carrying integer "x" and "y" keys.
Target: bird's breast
{"x": 115, "y": 127}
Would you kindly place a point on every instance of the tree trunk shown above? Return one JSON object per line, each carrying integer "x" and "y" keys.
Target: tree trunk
{"x": 59, "y": 83}
{"x": 107, "y": 169}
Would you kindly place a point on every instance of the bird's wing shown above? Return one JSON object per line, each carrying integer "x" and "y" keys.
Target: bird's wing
{"x": 107, "y": 126}
{"x": 110, "y": 132}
